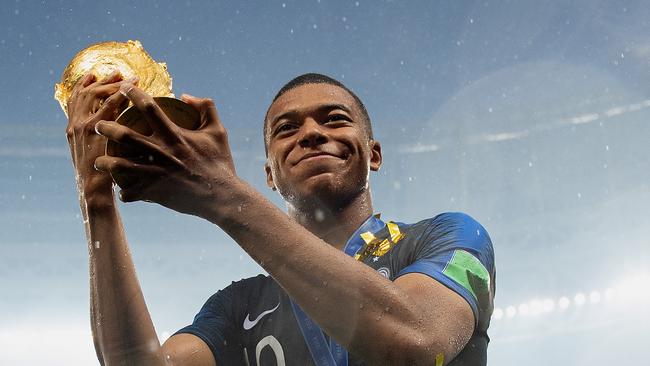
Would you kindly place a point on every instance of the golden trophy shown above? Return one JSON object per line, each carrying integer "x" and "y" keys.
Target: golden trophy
{"x": 130, "y": 59}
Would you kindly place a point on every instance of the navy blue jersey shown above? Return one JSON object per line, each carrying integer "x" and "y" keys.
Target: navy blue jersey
{"x": 252, "y": 321}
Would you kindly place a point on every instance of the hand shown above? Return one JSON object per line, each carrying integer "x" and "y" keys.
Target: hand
{"x": 184, "y": 168}
{"x": 92, "y": 100}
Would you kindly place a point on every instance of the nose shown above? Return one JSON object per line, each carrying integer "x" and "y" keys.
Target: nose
{"x": 311, "y": 134}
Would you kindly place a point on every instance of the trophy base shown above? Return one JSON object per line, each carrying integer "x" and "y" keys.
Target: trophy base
{"x": 179, "y": 112}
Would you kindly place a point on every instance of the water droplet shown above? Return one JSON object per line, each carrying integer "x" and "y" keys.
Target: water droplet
{"x": 319, "y": 215}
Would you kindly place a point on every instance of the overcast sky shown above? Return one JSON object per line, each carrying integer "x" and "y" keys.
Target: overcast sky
{"x": 531, "y": 116}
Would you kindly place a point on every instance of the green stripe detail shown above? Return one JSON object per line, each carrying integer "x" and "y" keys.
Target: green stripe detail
{"x": 469, "y": 272}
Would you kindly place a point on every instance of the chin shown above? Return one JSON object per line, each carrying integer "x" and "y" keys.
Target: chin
{"x": 326, "y": 190}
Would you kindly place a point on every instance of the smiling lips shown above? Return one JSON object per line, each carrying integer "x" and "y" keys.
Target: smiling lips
{"x": 316, "y": 154}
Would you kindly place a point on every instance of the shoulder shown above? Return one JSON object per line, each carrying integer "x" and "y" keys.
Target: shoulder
{"x": 458, "y": 228}
{"x": 241, "y": 290}
{"x": 448, "y": 232}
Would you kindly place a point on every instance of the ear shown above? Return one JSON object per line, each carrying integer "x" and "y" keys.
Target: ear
{"x": 269, "y": 176}
{"x": 375, "y": 155}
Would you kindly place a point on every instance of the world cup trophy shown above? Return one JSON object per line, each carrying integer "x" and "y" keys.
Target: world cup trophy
{"x": 131, "y": 60}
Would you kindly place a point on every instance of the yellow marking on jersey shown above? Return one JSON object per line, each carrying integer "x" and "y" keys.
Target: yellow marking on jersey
{"x": 395, "y": 234}
{"x": 368, "y": 237}
{"x": 440, "y": 359}
{"x": 383, "y": 248}
{"x": 376, "y": 246}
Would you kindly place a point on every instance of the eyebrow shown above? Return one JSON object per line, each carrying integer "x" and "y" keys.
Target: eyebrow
{"x": 321, "y": 108}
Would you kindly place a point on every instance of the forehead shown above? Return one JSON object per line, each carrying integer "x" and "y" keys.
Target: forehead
{"x": 310, "y": 96}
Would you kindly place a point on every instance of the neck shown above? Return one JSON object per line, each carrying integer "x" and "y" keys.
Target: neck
{"x": 334, "y": 224}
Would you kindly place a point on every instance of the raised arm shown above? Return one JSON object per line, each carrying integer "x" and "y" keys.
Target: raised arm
{"x": 193, "y": 172}
{"x": 122, "y": 329}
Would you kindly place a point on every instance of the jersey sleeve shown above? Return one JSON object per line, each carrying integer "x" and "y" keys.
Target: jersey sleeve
{"x": 457, "y": 251}
{"x": 215, "y": 326}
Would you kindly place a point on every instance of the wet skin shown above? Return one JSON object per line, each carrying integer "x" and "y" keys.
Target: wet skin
{"x": 319, "y": 151}
{"x": 319, "y": 157}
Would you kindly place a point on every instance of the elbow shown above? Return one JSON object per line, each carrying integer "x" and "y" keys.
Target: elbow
{"x": 416, "y": 348}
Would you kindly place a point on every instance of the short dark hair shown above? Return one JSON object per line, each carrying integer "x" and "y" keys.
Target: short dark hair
{"x": 314, "y": 78}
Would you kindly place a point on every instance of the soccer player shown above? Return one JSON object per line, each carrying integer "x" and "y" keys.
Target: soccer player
{"x": 345, "y": 287}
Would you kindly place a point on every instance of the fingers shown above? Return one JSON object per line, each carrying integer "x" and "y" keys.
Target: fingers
{"x": 158, "y": 120}
{"x": 83, "y": 82}
{"x": 140, "y": 177}
{"x": 208, "y": 111}
{"x": 112, "y": 106}
{"x": 113, "y": 77}
{"x": 88, "y": 94}
{"x": 125, "y": 167}
{"x": 90, "y": 78}
{"x": 105, "y": 90}
{"x": 126, "y": 136}
{"x": 87, "y": 80}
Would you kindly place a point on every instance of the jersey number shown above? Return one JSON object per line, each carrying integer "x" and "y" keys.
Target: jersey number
{"x": 276, "y": 347}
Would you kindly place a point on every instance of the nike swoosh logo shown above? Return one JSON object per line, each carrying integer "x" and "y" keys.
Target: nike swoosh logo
{"x": 248, "y": 324}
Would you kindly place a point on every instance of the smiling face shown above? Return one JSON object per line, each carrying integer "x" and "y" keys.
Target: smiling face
{"x": 319, "y": 150}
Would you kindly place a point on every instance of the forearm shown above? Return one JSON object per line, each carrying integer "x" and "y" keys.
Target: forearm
{"x": 345, "y": 297}
{"x": 122, "y": 328}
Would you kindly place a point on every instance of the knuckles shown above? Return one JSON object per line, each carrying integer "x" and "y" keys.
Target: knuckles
{"x": 149, "y": 105}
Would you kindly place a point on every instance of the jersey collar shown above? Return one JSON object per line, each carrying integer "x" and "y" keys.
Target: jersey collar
{"x": 372, "y": 224}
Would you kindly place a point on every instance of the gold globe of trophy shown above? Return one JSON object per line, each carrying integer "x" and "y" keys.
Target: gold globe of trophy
{"x": 130, "y": 59}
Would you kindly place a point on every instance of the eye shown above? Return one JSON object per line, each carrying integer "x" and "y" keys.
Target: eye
{"x": 283, "y": 127}
{"x": 336, "y": 117}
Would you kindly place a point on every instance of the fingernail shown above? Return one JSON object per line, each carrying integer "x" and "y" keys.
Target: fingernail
{"x": 126, "y": 88}
{"x": 133, "y": 79}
